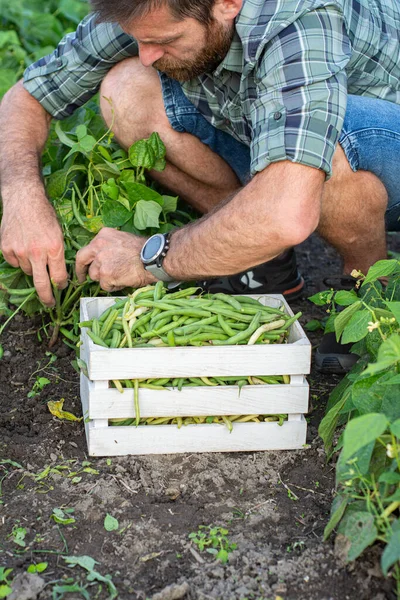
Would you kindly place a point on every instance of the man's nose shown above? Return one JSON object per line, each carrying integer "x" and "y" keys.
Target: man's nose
{"x": 149, "y": 54}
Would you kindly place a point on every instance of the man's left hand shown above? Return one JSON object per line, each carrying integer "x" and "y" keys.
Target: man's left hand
{"x": 113, "y": 259}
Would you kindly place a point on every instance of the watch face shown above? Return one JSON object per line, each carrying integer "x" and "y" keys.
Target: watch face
{"x": 152, "y": 247}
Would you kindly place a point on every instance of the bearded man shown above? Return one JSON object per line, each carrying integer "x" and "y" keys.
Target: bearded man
{"x": 279, "y": 118}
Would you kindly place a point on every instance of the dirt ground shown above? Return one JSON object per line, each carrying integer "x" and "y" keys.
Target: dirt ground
{"x": 160, "y": 500}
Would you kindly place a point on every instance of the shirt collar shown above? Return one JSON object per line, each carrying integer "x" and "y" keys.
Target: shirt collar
{"x": 233, "y": 61}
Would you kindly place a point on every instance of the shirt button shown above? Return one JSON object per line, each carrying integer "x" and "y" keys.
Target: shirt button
{"x": 277, "y": 115}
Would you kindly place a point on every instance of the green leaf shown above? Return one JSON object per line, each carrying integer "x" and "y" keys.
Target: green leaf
{"x": 391, "y": 553}
{"x": 313, "y": 325}
{"x": 81, "y": 132}
{"x": 361, "y": 431}
{"x": 389, "y": 477}
{"x": 158, "y": 146}
{"x": 361, "y": 532}
{"x": 56, "y": 183}
{"x": 382, "y": 268}
{"x": 110, "y": 523}
{"x": 388, "y": 355}
{"x": 346, "y": 298}
{"x": 141, "y": 154}
{"x": 395, "y": 380}
{"x": 357, "y": 327}
{"x": 39, "y": 568}
{"x": 5, "y": 590}
{"x": 86, "y": 562}
{"x": 138, "y": 191}
{"x": 366, "y": 396}
{"x": 395, "y": 428}
{"x": 60, "y": 517}
{"x": 337, "y": 511}
{"x": 169, "y": 204}
{"x": 114, "y": 214}
{"x": 62, "y": 136}
{"x": 147, "y": 214}
{"x": 87, "y": 143}
{"x": 322, "y": 298}
{"x": 344, "y": 317}
{"x": 329, "y": 423}
{"x": 394, "y": 307}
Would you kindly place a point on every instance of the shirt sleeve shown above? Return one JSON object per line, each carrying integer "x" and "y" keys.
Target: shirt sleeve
{"x": 301, "y": 92}
{"x": 71, "y": 75}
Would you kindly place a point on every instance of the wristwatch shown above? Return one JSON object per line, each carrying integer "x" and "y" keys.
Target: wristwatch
{"x": 153, "y": 253}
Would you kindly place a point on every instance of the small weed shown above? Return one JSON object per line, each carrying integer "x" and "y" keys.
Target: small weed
{"x": 299, "y": 546}
{"x": 61, "y": 516}
{"x": 213, "y": 540}
{"x": 37, "y": 387}
{"x": 5, "y": 585}
{"x": 18, "y": 535}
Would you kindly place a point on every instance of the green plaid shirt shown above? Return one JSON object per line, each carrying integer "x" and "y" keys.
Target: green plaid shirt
{"x": 283, "y": 85}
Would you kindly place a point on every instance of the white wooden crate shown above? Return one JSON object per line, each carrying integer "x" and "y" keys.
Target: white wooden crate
{"x": 100, "y": 402}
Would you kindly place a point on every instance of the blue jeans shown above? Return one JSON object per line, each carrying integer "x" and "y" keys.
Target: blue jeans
{"x": 370, "y": 139}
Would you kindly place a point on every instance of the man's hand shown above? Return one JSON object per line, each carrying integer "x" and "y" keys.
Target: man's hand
{"x": 31, "y": 238}
{"x": 113, "y": 259}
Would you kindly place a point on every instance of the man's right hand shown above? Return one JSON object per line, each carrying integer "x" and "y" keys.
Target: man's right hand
{"x": 31, "y": 238}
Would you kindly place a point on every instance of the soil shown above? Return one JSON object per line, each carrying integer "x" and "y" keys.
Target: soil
{"x": 160, "y": 500}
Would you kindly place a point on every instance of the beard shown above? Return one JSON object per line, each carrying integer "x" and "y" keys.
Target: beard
{"x": 218, "y": 40}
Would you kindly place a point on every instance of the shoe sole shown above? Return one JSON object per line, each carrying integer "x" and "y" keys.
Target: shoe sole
{"x": 335, "y": 364}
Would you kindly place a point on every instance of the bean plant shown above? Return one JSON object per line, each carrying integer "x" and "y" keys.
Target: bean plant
{"x": 92, "y": 183}
{"x": 366, "y": 509}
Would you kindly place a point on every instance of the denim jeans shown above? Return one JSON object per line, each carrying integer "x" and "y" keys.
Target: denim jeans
{"x": 370, "y": 139}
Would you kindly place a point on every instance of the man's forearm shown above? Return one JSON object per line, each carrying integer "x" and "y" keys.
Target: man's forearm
{"x": 24, "y": 125}
{"x": 277, "y": 209}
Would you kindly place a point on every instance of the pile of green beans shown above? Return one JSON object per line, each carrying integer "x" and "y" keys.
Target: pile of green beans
{"x": 153, "y": 317}
{"x": 222, "y": 420}
{"x": 180, "y": 382}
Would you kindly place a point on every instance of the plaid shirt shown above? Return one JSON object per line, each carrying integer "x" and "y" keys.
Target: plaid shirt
{"x": 282, "y": 87}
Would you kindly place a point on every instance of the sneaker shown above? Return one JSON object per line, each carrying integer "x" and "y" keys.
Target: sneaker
{"x": 277, "y": 276}
{"x": 332, "y": 356}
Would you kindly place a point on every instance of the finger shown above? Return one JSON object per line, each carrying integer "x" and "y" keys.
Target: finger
{"x": 11, "y": 258}
{"x": 94, "y": 271}
{"x": 58, "y": 271}
{"x": 41, "y": 281}
{"x": 84, "y": 257}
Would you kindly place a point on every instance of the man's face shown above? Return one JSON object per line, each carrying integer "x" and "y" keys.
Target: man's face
{"x": 180, "y": 49}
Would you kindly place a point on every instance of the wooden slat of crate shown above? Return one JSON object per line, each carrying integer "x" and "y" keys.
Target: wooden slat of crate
{"x": 106, "y": 403}
{"x": 128, "y": 363}
{"x": 167, "y": 439}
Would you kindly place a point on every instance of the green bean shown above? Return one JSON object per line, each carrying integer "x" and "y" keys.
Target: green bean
{"x": 108, "y": 323}
{"x": 155, "y": 332}
{"x": 229, "y": 300}
{"x": 183, "y": 293}
{"x": 115, "y": 339}
{"x": 151, "y": 386}
{"x": 171, "y": 338}
{"x": 159, "y": 291}
{"x": 96, "y": 339}
{"x": 200, "y": 337}
{"x": 189, "y": 312}
{"x": 85, "y": 323}
{"x": 228, "y": 423}
{"x": 96, "y": 327}
{"x": 127, "y": 332}
{"x": 186, "y": 329}
{"x": 224, "y": 325}
{"x": 241, "y": 336}
{"x": 161, "y": 381}
{"x": 136, "y": 401}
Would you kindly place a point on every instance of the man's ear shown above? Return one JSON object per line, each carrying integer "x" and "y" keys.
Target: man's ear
{"x": 227, "y": 10}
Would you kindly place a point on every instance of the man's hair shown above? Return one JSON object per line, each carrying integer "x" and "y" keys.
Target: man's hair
{"x": 125, "y": 11}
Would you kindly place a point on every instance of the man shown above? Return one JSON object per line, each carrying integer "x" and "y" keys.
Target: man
{"x": 251, "y": 131}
